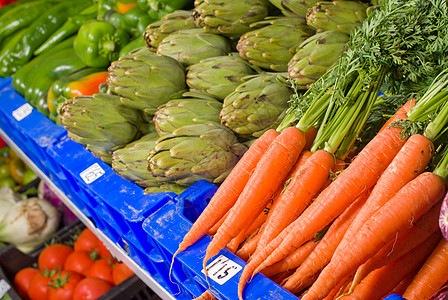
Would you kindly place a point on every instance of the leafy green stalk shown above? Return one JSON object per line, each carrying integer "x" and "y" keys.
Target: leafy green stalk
{"x": 442, "y": 167}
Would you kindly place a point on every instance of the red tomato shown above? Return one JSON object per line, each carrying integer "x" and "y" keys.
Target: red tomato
{"x": 38, "y": 289}
{"x": 53, "y": 256}
{"x": 79, "y": 262}
{"x": 22, "y": 281}
{"x": 86, "y": 241}
{"x": 62, "y": 285}
{"x": 121, "y": 272}
{"x": 90, "y": 288}
{"x": 102, "y": 269}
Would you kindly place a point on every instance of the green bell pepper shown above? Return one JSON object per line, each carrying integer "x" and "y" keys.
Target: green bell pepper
{"x": 164, "y": 5}
{"x": 98, "y": 43}
{"x": 132, "y": 45}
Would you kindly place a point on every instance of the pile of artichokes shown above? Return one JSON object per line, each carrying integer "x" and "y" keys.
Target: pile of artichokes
{"x": 209, "y": 82}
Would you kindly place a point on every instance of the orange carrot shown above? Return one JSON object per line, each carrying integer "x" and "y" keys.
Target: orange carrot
{"x": 400, "y": 114}
{"x": 304, "y": 185}
{"x": 358, "y": 177}
{"x": 381, "y": 281}
{"x": 268, "y": 175}
{"x": 229, "y": 191}
{"x": 308, "y": 270}
{"x": 405, "y": 241}
{"x": 431, "y": 276}
{"x": 310, "y": 135}
{"x": 248, "y": 248}
{"x": 206, "y": 296}
{"x": 338, "y": 289}
{"x": 293, "y": 260}
{"x": 215, "y": 227}
{"x": 259, "y": 221}
{"x": 402, "y": 286}
{"x": 410, "y": 203}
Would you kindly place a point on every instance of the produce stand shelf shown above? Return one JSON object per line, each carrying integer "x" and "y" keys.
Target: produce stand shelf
{"x": 141, "y": 230}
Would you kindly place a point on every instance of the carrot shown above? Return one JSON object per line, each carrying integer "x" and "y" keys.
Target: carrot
{"x": 409, "y": 162}
{"x": 310, "y": 135}
{"x": 236, "y": 241}
{"x": 304, "y": 185}
{"x": 206, "y": 296}
{"x": 293, "y": 260}
{"x": 405, "y": 241}
{"x": 338, "y": 289}
{"x": 248, "y": 248}
{"x": 410, "y": 203}
{"x": 308, "y": 270}
{"x": 269, "y": 173}
{"x": 431, "y": 276}
{"x": 215, "y": 227}
{"x": 358, "y": 177}
{"x": 229, "y": 191}
{"x": 402, "y": 286}
{"x": 381, "y": 281}
{"x": 400, "y": 114}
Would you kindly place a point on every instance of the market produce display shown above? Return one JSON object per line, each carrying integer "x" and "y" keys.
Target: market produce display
{"x": 322, "y": 123}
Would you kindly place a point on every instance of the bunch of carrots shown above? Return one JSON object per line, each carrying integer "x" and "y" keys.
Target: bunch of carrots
{"x": 328, "y": 228}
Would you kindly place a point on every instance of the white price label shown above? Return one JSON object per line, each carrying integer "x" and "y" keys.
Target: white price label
{"x": 222, "y": 269}
{"x": 4, "y": 287}
{"x": 22, "y": 112}
{"x": 92, "y": 173}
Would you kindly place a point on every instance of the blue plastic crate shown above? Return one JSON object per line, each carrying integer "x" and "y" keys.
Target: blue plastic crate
{"x": 165, "y": 230}
{"x": 29, "y": 129}
{"x": 394, "y": 297}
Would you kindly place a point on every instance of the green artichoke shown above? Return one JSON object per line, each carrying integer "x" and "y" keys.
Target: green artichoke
{"x": 190, "y": 46}
{"x": 294, "y": 8}
{"x": 316, "y": 56}
{"x": 229, "y": 18}
{"x": 101, "y": 122}
{"x": 165, "y": 187}
{"x": 193, "y": 109}
{"x": 256, "y": 105}
{"x": 336, "y": 15}
{"x": 145, "y": 80}
{"x": 131, "y": 163}
{"x": 157, "y": 31}
{"x": 272, "y": 46}
{"x": 196, "y": 152}
{"x": 218, "y": 76}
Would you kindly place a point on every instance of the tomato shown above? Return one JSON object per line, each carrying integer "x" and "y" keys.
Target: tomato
{"x": 22, "y": 281}
{"x": 86, "y": 241}
{"x": 102, "y": 268}
{"x": 63, "y": 284}
{"x": 104, "y": 253}
{"x": 91, "y": 288}
{"x": 121, "y": 272}
{"x": 53, "y": 256}
{"x": 38, "y": 289}
{"x": 80, "y": 262}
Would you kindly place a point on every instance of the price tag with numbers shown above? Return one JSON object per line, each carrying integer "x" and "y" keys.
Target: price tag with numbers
{"x": 222, "y": 269}
{"x": 4, "y": 287}
{"x": 22, "y": 112}
{"x": 92, "y": 173}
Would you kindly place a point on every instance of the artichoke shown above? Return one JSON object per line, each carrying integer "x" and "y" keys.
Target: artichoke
{"x": 229, "y": 18}
{"x": 294, "y": 8}
{"x": 315, "y": 56}
{"x": 336, "y": 15}
{"x": 157, "y": 31}
{"x": 272, "y": 46}
{"x": 145, "y": 80}
{"x": 193, "y": 109}
{"x": 218, "y": 76}
{"x": 256, "y": 105}
{"x": 196, "y": 152}
{"x": 130, "y": 162}
{"x": 101, "y": 122}
{"x": 190, "y": 46}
